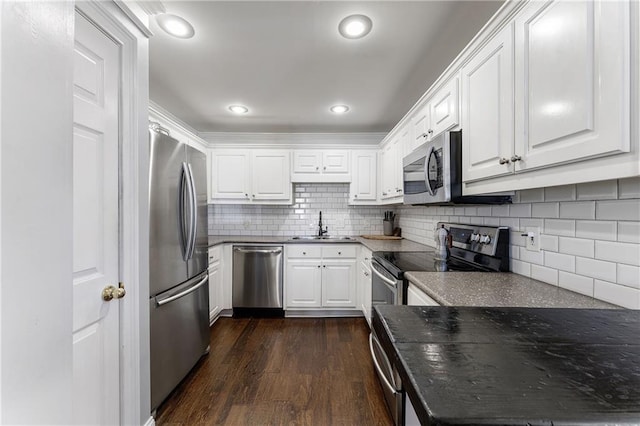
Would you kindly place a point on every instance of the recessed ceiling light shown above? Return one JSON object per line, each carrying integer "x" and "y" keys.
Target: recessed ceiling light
{"x": 339, "y": 109}
{"x": 238, "y": 109}
{"x": 175, "y": 25}
{"x": 355, "y": 26}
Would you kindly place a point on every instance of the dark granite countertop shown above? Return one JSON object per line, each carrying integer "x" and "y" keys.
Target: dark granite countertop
{"x": 499, "y": 366}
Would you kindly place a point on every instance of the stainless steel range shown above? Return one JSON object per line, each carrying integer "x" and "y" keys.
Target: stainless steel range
{"x": 459, "y": 248}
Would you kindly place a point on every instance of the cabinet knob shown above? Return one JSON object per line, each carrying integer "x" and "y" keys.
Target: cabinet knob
{"x": 304, "y": 252}
{"x": 430, "y": 131}
{"x": 318, "y": 266}
{"x": 504, "y": 161}
{"x": 398, "y": 190}
{"x": 317, "y": 167}
{"x": 339, "y": 252}
{"x": 253, "y": 195}
{"x": 366, "y": 274}
{"x": 324, "y": 266}
{"x": 246, "y": 195}
{"x": 516, "y": 158}
{"x": 384, "y": 193}
{"x": 355, "y": 196}
{"x": 324, "y": 168}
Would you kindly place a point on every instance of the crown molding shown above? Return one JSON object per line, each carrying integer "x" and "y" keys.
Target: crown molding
{"x": 295, "y": 140}
{"x": 152, "y": 7}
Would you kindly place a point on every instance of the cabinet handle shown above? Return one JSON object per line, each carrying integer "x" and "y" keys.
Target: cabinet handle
{"x": 424, "y": 135}
{"x": 384, "y": 193}
{"x": 366, "y": 274}
{"x": 504, "y": 161}
{"x": 516, "y": 158}
{"x": 398, "y": 190}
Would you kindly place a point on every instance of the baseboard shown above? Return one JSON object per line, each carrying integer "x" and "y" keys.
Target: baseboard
{"x": 150, "y": 422}
{"x": 322, "y": 313}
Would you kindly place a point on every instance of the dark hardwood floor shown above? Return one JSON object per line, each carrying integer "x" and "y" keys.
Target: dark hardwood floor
{"x": 275, "y": 371}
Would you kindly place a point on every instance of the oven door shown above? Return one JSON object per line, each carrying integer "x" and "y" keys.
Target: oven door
{"x": 385, "y": 288}
{"x": 389, "y": 379}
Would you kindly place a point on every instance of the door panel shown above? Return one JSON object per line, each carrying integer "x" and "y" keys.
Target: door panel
{"x": 338, "y": 284}
{"x": 96, "y": 381}
{"x": 271, "y": 175}
{"x": 167, "y": 267}
{"x": 487, "y": 109}
{"x": 304, "y": 286}
{"x": 198, "y": 162}
{"x": 560, "y": 119}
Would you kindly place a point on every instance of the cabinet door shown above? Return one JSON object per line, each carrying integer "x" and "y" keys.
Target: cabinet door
{"x": 364, "y": 280}
{"x": 303, "y": 283}
{"x": 572, "y": 81}
{"x": 339, "y": 283}
{"x": 271, "y": 175}
{"x": 388, "y": 180}
{"x": 363, "y": 183}
{"x": 487, "y": 109}
{"x": 397, "y": 166}
{"x": 335, "y": 162}
{"x": 215, "y": 290}
{"x": 307, "y": 161}
{"x": 421, "y": 124}
{"x": 416, "y": 297}
{"x": 230, "y": 174}
{"x": 444, "y": 108}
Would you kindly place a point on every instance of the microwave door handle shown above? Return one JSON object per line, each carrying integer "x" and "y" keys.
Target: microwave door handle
{"x": 431, "y": 190}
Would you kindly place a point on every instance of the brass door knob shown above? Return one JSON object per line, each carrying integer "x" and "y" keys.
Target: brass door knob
{"x": 110, "y": 292}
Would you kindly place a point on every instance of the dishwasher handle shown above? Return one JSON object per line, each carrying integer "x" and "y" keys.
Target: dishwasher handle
{"x": 262, "y": 251}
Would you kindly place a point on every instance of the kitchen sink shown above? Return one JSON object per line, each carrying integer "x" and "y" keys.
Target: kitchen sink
{"x": 324, "y": 237}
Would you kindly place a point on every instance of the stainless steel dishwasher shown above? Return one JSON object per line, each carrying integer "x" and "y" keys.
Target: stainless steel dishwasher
{"x": 257, "y": 280}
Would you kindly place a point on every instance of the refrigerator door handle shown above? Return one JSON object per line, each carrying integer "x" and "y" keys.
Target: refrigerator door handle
{"x": 170, "y": 299}
{"x": 183, "y": 196}
{"x": 193, "y": 222}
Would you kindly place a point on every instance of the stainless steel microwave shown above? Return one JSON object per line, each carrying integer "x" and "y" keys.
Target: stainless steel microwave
{"x": 432, "y": 174}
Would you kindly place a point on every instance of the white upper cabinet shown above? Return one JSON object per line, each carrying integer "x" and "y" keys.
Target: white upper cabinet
{"x": 321, "y": 166}
{"x": 391, "y": 170}
{"x": 230, "y": 174}
{"x": 444, "y": 107}
{"x": 421, "y": 127}
{"x": 271, "y": 175}
{"x": 246, "y": 176}
{"x": 572, "y": 82}
{"x": 487, "y": 109}
{"x": 363, "y": 188}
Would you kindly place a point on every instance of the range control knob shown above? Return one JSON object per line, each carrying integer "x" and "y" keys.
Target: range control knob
{"x": 485, "y": 239}
{"x": 475, "y": 237}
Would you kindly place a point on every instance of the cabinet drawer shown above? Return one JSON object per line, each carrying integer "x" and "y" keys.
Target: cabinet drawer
{"x": 303, "y": 251}
{"x": 339, "y": 251}
{"x": 215, "y": 254}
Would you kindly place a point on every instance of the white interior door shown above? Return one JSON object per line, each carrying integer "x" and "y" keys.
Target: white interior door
{"x": 96, "y": 381}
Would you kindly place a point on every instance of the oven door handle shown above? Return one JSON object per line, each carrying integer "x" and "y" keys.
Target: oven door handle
{"x": 382, "y": 277}
{"x": 377, "y": 366}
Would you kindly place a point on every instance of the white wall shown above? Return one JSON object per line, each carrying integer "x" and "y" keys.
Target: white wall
{"x": 590, "y": 235}
{"x": 36, "y": 177}
{"x": 301, "y": 218}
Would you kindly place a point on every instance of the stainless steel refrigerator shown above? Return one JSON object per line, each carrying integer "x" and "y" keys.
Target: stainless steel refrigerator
{"x": 178, "y": 279}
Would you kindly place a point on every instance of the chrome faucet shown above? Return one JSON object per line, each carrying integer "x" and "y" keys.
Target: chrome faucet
{"x": 321, "y": 231}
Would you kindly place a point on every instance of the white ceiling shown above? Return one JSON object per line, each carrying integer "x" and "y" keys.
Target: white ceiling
{"x": 287, "y": 63}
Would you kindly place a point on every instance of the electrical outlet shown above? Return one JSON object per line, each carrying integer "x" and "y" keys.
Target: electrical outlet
{"x": 532, "y": 238}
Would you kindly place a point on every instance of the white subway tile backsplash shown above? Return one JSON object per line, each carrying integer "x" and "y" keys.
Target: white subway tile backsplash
{"x": 563, "y": 262}
{"x": 520, "y": 210}
{"x": 548, "y": 242}
{"x": 596, "y": 268}
{"x": 560, "y": 227}
{"x": 550, "y": 210}
{"x": 618, "y": 210}
{"x": 578, "y": 210}
{"x": 628, "y": 275}
{"x": 531, "y": 256}
{"x": 532, "y": 195}
{"x": 560, "y": 193}
{"x": 629, "y": 232}
{"x": 500, "y": 211}
{"x": 617, "y": 294}
{"x": 604, "y": 190}
{"x": 577, "y": 283}
{"x": 618, "y": 252}
{"x": 483, "y": 211}
{"x": 577, "y": 246}
{"x": 510, "y": 222}
{"x": 629, "y": 188}
{"x": 519, "y": 267}
{"x": 547, "y": 275}
{"x": 596, "y": 230}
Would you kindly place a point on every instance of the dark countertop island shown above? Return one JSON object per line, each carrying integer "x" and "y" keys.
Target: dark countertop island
{"x": 507, "y": 366}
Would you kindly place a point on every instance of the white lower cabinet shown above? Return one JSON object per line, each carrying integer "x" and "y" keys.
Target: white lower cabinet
{"x": 215, "y": 282}
{"x": 320, "y": 276}
{"x": 410, "y": 415}
{"x": 417, "y": 297}
{"x": 364, "y": 282}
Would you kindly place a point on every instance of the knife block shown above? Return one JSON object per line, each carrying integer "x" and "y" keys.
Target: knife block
{"x": 387, "y": 227}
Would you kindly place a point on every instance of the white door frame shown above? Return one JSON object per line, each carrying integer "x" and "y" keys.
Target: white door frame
{"x": 133, "y": 194}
